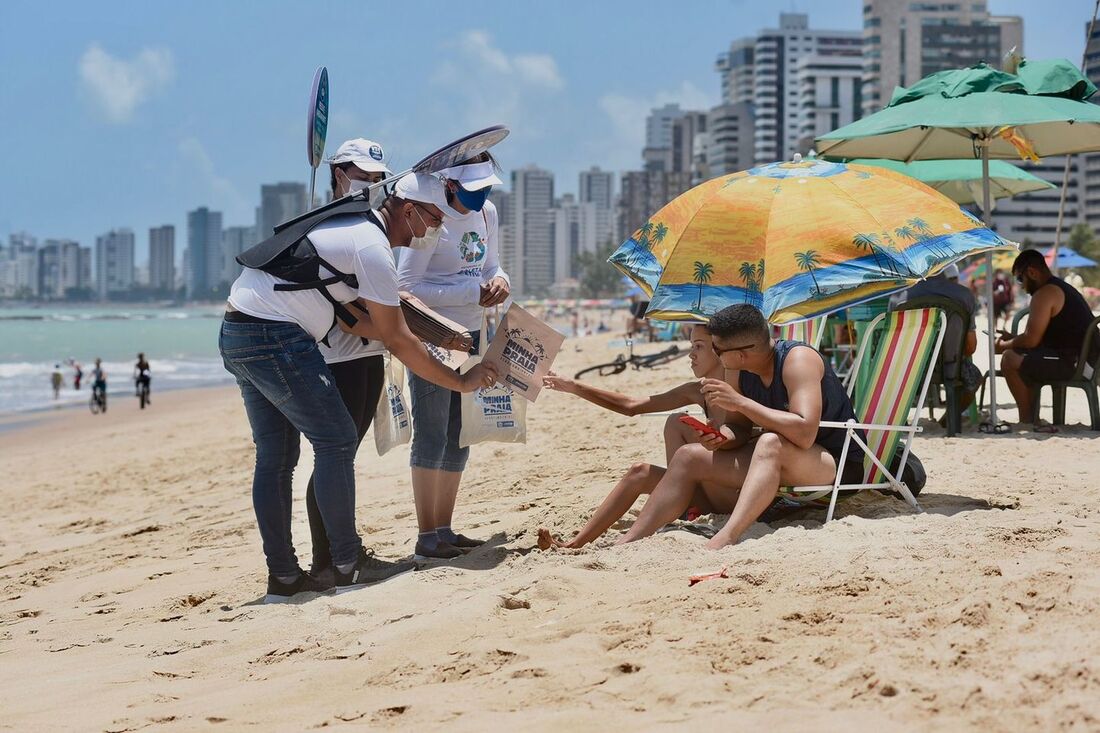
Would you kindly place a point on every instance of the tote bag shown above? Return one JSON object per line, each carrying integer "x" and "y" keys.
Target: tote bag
{"x": 392, "y": 423}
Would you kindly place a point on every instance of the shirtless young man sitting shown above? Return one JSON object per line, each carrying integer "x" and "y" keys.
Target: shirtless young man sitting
{"x": 786, "y": 389}
{"x": 642, "y": 477}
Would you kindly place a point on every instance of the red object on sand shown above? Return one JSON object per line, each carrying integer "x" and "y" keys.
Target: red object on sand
{"x": 707, "y": 576}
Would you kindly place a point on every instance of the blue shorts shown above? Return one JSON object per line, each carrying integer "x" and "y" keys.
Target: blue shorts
{"x": 437, "y": 424}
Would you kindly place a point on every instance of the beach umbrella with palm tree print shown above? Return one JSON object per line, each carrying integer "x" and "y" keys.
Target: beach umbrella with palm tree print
{"x": 797, "y": 240}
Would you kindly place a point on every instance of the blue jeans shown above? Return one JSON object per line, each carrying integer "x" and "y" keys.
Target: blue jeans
{"x": 437, "y": 423}
{"x": 288, "y": 390}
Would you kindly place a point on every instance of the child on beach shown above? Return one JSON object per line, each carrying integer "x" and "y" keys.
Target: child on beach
{"x": 643, "y": 477}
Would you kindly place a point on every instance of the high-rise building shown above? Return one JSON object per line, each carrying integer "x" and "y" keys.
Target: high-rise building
{"x": 279, "y": 202}
{"x": 770, "y": 73}
{"x": 114, "y": 262}
{"x": 830, "y": 86}
{"x": 643, "y": 193}
{"x": 1090, "y": 163}
{"x": 597, "y": 187}
{"x": 204, "y": 253}
{"x": 904, "y": 41}
{"x": 19, "y": 267}
{"x": 58, "y": 268}
{"x": 532, "y": 204}
{"x": 84, "y": 278}
{"x": 730, "y": 144}
{"x": 506, "y": 247}
{"x": 579, "y": 226}
{"x": 162, "y": 257}
{"x": 1034, "y": 216}
{"x": 234, "y": 241}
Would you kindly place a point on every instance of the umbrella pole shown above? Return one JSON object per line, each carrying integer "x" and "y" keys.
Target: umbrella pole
{"x": 984, "y": 144}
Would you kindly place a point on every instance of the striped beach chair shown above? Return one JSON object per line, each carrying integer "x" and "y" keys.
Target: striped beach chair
{"x": 889, "y": 406}
{"x": 808, "y": 331}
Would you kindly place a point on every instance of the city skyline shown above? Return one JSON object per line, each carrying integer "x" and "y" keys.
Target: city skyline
{"x": 119, "y": 95}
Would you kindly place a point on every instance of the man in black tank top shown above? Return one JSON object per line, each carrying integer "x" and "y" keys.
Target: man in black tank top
{"x": 786, "y": 389}
{"x": 1048, "y": 348}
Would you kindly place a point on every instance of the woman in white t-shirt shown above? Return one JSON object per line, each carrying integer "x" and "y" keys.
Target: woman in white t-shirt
{"x": 355, "y": 363}
{"x": 459, "y": 277}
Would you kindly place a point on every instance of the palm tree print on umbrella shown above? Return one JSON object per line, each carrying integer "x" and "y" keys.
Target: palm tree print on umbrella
{"x": 641, "y": 244}
{"x": 809, "y": 261}
{"x": 660, "y": 231}
{"x": 702, "y": 275}
{"x": 869, "y": 242}
{"x": 753, "y": 275}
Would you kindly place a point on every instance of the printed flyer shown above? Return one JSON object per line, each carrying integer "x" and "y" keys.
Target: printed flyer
{"x": 523, "y": 350}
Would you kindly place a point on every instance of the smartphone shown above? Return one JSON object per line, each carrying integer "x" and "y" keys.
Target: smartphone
{"x": 701, "y": 426}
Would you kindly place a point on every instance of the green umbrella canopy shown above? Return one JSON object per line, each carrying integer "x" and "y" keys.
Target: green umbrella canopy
{"x": 943, "y": 115}
{"x": 961, "y": 180}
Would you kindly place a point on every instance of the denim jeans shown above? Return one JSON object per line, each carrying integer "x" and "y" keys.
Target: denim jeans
{"x": 437, "y": 423}
{"x": 288, "y": 390}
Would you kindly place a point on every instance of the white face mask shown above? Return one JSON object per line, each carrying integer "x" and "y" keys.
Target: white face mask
{"x": 430, "y": 238}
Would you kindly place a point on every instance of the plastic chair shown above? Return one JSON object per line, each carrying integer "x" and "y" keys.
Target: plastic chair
{"x": 889, "y": 407}
{"x": 1089, "y": 384}
{"x": 952, "y": 386}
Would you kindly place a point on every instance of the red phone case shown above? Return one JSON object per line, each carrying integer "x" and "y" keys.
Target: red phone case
{"x": 699, "y": 425}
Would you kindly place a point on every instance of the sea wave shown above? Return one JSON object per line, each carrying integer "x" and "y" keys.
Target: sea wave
{"x": 25, "y": 386}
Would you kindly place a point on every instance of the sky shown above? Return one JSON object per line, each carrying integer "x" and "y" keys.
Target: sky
{"x": 130, "y": 114}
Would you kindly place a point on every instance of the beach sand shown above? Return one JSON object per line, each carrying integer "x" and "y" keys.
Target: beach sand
{"x": 130, "y": 568}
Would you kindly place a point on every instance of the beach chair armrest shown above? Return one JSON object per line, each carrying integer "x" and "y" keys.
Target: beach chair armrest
{"x": 871, "y": 426}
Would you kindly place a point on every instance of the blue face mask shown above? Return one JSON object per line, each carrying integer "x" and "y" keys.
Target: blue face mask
{"x": 473, "y": 200}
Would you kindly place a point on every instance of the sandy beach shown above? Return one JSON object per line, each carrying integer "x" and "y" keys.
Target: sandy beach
{"x": 130, "y": 570}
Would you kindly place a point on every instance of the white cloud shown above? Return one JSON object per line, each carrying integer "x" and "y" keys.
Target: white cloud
{"x": 223, "y": 194}
{"x": 539, "y": 69}
{"x": 491, "y": 86}
{"x": 535, "y": 69}
{"x": 118, "y": 87}
{"x": 627, "y": 115}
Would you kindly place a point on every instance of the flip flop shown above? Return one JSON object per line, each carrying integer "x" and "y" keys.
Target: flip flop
{"x": 1044, "y": 428}
{"x": 998, "y": 429}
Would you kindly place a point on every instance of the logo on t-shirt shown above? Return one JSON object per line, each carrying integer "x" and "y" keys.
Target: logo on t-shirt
{"x": 472, "y": 248}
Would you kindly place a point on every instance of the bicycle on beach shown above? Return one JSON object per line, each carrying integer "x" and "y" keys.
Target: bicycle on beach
{"x": 143, "y": 392}
{"x": 638, "y": 361}
{"x": 98, "y": 403}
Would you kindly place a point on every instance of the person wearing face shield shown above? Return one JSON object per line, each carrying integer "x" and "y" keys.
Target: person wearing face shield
{"x": 459, "y": 276}
{"x": 269, "y": 342}
{"x": 356, "y": 363}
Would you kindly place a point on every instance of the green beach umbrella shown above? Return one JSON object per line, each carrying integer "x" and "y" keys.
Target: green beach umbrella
{"x": 979, "y": 113}
{"x": 961, "y": 180}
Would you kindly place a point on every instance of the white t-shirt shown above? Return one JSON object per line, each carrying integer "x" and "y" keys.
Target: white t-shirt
{"x": 448, "y": 277}
{"x": 353, "y": 245}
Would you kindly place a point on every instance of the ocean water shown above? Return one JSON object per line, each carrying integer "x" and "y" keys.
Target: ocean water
{"x": 181, "y": 345}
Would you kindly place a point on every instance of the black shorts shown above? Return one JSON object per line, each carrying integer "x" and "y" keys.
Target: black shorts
{"x": 1042, "y": 365}
{"x": 852, "y": 470}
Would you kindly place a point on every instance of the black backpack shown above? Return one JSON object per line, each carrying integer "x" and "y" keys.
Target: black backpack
{"x": 913, "y": 475}
{"x": 289, "y": 255}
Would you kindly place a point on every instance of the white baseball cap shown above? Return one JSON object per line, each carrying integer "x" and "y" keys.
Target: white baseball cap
{"x": 472, "y": 176}
{"x": 951, "y": 272}
{"x": 422, "y": 187}
{"x": 367, "y": 155}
